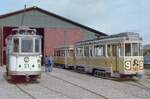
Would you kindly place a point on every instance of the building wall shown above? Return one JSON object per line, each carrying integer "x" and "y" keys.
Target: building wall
{"x": 54, "y": 37}
{"x": 0, "y": 46}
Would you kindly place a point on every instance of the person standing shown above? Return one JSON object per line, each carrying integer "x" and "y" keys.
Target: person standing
{"x": 46, "y": 63}
{"x": 52, "y": 62}
{"x": 49, "y": 64}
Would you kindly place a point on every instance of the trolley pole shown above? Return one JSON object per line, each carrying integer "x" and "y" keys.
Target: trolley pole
{"x": 22, "y": 19}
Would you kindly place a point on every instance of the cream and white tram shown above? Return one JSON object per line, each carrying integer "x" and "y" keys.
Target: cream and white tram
{"x": 115, "y": 55}
{"x": 23, "y": 53}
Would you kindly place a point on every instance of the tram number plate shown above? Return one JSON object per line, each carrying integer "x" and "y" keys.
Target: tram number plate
{"x": 26, "y": 65}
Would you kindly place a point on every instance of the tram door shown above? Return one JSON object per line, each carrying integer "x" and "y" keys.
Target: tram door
{"x": 66, "y": 53}
{"x": 115, "y": 58}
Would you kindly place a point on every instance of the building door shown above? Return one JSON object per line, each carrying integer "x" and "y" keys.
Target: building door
{"x": 115, "y": 59}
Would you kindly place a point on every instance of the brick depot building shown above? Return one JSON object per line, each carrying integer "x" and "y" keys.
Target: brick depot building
{"x": 55, "y": 30}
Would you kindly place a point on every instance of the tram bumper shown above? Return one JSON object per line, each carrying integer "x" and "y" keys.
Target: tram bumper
{"x": 24, "y": 73}
{"x": 133, "y": 73}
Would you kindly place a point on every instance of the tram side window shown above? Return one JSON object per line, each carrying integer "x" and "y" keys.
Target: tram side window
{"x": 79, "y": 51}
{"x": 58, "y": 53}
{"x": 91, "y": 51}
{"x": 127, "y": 49}
{"x": 86, "y": 51}
{"x": 62, "y": 52}
{"x": 16, "y": 45}
{"x": 26, "y": 45}
{"x": 71, "y": 52}
{"x": 140, "y": 49}
{"x": 99, "y": 50}
{"x": 109, "y": 50}
{"x": 135, "y": 49}
{"x": 121, "y": 50}
{"x": 37, "y": 47}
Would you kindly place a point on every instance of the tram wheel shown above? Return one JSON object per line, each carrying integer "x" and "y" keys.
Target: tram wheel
{"x": 99, "y": 73}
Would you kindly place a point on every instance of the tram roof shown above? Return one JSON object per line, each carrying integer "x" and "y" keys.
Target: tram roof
{"x": 65, "y": 46}
{"x": 24, "y": 28}
{"x": 120, "y": 35}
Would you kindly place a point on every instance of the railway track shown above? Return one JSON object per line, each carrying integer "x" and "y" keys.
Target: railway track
{"x": 26, "y": 92}
{"x": 42, "y": 85}
{"x": 79, "y": 86}
{"x": 138, "y": 84}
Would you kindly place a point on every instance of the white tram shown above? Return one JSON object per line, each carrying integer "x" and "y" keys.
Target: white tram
{"x": 23, "y": 53}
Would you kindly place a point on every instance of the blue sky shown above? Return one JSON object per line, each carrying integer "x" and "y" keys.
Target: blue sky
{"x": 108, "y": 16}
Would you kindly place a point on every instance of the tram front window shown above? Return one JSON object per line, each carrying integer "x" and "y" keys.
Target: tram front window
{"x": 135, "y": 49}
{"x": 140, "y": 49}
{"x": 128, "y": 49}
{"x": 16, "y": 45}
{"x": 26, "y": 45}
{"x": 37, "y": 47}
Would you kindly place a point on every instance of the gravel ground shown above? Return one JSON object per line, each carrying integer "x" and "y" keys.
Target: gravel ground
{"x": 64, "y": 84}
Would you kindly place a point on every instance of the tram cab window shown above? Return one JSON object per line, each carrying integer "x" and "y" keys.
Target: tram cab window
{"x": 140, "y": 50}
{"x": 121, "y": 50}
{"x": 99, "y": 50}
{"x": 135, "y": 49}
{"x": 37, "y": 45}
{"x": 127, "y": 49}
{"x": 16, "y": 45}
{"x": 26, "y": 45}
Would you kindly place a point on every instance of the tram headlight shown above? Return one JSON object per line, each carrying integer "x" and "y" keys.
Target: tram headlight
{"x": 141, "y": 65}
{"x": 127, "y": 65}
{"x": 26, "y": 59}
{"x": 38, "y": 60}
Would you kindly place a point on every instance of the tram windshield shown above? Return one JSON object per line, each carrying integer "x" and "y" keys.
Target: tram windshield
{"x": 27, "y": 45}
{"x": 133, "y": 49}
{"x": 16, "y": 45}
{"x": 37, "y": 45}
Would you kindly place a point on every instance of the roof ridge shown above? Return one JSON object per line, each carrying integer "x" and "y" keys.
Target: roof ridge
{"x": 54, "y": 15}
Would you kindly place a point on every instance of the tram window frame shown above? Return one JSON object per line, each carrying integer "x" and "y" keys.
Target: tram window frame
{"x": 79, "y": 51}
{"x": 58, "y": 53}
{"x": 16, "y": 45}
{"x": 91, "y": 51}
{"x": 135, "y": 49}
{"x": 140, "y": 49}
{"x": 86, "y": 51}
{"x": 129, "y": 53}
{"x": 109, "y": 50}
{"x": 121, "y": 50}
{"x": 70, "y": 52}
{"x": 30, "y": 50}
{"x": 99, "y": 50}
{"x": 37, "y": 49}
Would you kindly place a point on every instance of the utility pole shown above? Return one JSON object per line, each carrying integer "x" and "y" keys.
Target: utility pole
{"x": 22, "y": 19}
